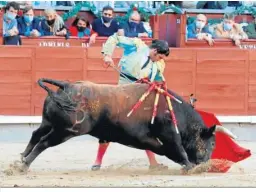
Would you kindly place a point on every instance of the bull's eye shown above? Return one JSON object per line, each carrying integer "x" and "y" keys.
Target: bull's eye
{"x": 213, "y": 144}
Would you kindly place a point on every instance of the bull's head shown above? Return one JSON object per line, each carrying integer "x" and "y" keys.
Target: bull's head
{"x": 204, "y": 144}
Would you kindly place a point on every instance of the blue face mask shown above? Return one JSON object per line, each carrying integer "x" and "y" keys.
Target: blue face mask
{"x": 133, "y": 24}
{"x": 10, "y": 15}
{"x": 28, "y": 19}
{"x": 227, "y": 27}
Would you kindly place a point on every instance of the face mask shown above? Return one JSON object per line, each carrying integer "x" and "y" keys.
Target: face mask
{"x": 106, "y": 19}
{"x": 10, "y": 16}
{"x": 28, "y": 19}
{"x": 227, "y": 27}
{"x": 199, "y": 25}
{"x": 80, "y": 29}
{"x": 133, "y": 24}
{"x": 50, "y": 22}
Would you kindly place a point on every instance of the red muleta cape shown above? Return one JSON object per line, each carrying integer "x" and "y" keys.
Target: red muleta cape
{"x": 226, "y": 148}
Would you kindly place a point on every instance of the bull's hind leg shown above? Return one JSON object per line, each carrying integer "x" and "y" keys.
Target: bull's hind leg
{"x": 44, "y": 129}
{"x": 53, "y": 138}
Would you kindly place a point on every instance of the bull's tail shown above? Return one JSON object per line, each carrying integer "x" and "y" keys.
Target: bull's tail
{"x": 65, "y": 104}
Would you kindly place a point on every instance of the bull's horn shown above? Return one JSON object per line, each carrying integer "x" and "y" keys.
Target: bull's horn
{"x": 226, "y": 131}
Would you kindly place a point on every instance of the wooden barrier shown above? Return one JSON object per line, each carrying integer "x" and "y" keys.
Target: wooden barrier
{"x": 52, "y": 41}
{"x": 223, "y": 83}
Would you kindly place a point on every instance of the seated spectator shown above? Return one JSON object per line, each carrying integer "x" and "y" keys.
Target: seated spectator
{"x": 212, "y": 4}
{"x": 231, "y": 30}
{"x": 65, "y": 3}
{"x": 10, "y": 28}
{"x": 53, "y": 24}
{"x": 250, "y": 29}
{"x": 134, "y": 27}
{"x": 200, "y": 30}
{"x": 28, "y": 25}
{"x": 80, "y": 28}
{"x": 104, "y": 26}
{"x": 189, "y": 4}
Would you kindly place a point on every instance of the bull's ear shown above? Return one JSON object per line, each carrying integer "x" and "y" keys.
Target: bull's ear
{"x": 208, "y": 132}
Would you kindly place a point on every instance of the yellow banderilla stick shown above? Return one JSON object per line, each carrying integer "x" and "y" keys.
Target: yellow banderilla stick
{"x": 172, "y": 113}
{"x": 155, "y": 107}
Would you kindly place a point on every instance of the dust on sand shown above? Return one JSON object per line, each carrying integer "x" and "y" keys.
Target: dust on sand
{"x": 68, "y": 165}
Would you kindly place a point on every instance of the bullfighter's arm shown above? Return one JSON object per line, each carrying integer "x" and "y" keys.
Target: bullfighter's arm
{"x": 128, "y": 44}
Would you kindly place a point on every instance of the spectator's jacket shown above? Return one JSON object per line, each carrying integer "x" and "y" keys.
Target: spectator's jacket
{"x": 236, "y": 30}
{"x": 129, "y": 31}
{"x": 74, "y": 32}
{"x": 8, "y": 26}
{"x": 46, "y": 30}
{"x": 250, "y": 30}
{"x": 135, "y": 61}
{"x": 25, "y": 30}
{"x": 191, "y": 30}
{"x": 212, "y": 4}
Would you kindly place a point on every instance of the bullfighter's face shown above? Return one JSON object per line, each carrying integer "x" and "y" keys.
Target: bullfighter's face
{"x": 154, "y": 56}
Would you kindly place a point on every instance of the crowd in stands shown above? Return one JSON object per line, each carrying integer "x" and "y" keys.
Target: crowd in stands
{"x": 27, "y": 24}
{"x": 52, "y": 24}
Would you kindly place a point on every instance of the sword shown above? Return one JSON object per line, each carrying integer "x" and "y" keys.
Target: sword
{"x": 120, "y": 72}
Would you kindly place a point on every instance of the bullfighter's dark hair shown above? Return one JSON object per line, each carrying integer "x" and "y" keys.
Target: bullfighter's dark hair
{"x": 12, "y": 4}
{"x": 161, "y": 46}
{"x": 107, "y": 7}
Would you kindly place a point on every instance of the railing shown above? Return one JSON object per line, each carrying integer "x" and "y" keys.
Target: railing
{"x": 53, "y": 41}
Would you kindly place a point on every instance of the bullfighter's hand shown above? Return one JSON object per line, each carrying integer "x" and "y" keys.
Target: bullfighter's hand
{"x": 108, "y": 61}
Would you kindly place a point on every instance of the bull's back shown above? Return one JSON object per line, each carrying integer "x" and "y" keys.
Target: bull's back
{"x": 118, "y": 100}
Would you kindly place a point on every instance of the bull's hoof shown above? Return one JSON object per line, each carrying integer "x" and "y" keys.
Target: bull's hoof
{"x": 95, "y": 167}
{"x": 187, "y": 169}
{"x": 22, "y": 158}
{"x": 20, "y": 167}
{"x": 158, "y": 167}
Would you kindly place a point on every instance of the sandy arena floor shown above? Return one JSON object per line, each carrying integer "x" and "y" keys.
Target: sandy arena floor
{"x": 68, "y": 165}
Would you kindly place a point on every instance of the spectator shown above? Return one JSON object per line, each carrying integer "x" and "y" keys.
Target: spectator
{"x": 28, "y": 25}
{"x": 199, "y": 29}
{"x": 65, "y": 3}
{"x": 250, "y": 30}
{"x": 10, "y": 28}
{"x": 80, "y": 27}
{"x": 104, "y": 26}
{"x": 189, "y": 4}
{"x": 229, "y": 29}
{"x": 134, "y": 27}
{"x": 212, "y": 4}
{"x": 53, "y": 24}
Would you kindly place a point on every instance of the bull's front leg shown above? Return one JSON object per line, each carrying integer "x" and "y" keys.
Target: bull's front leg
{"x": 174, "y": 149}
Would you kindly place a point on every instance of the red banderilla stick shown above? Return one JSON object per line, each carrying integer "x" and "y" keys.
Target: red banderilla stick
{"x": 143, "y": 97}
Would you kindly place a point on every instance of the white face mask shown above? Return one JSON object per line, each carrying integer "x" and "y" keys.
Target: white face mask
{"x": 200, "y": 24}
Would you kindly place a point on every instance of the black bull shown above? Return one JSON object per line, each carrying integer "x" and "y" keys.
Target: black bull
{"x": 101, "y": 111}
